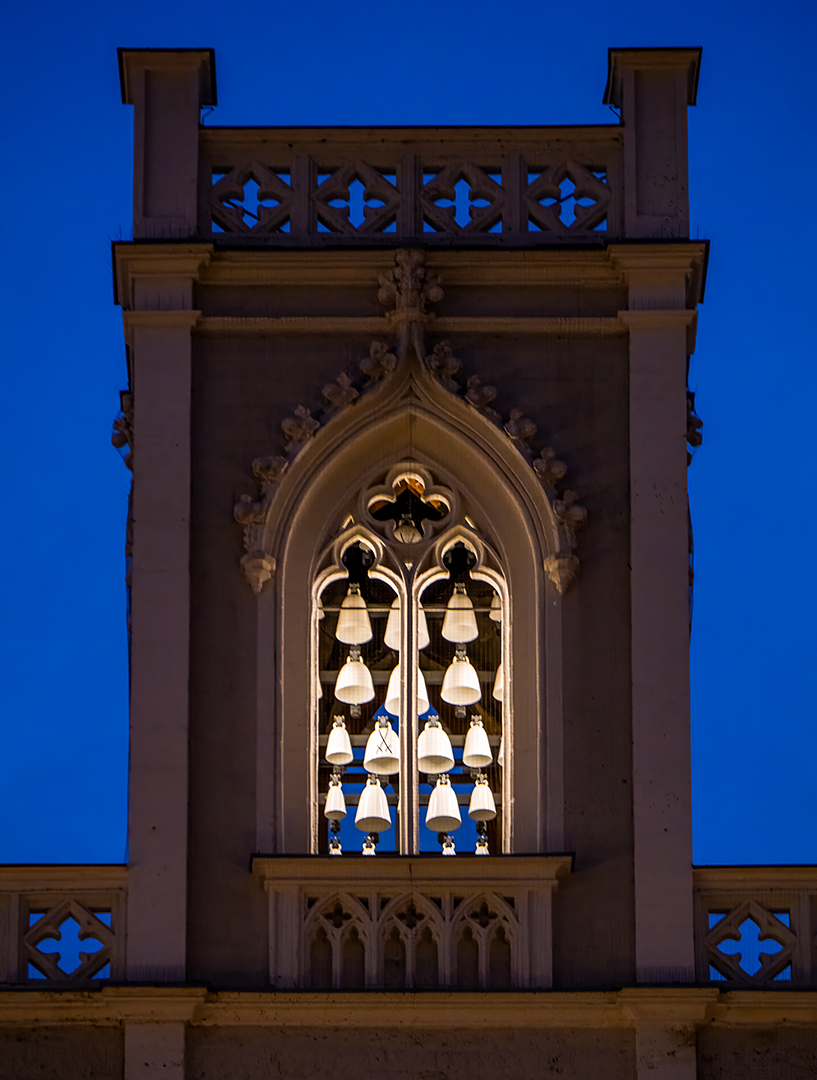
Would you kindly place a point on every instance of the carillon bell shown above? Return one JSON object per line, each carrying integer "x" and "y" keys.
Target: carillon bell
{"x": 482, "y": 846}
{"x": 477, "y": 753}
{"x": 392, "y": 702}
{"x": 354, "y": 682}
{"x": 392, "y": 638}
{"x": 373, "y": 809}
{"x": 382, "y": 755}
{"x": 499, "y": 683}
{"x": 461, "y": 683}
{"x": 335, "y": 808}
{"x": 443, "y": 812}
{"x": 339, "y": 745}
{"x": 354, "y": 626}
{"x": 434, "y": 753}
{"x": 496, "y": 608}
{"x": 482, "y": 806}
{"x": 460, "y": 622}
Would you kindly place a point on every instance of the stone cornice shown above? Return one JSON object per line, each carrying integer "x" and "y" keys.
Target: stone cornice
{"x": 186, "y": 319}
{"x": 479, "y": 324}
{"x": 65, "y": 878}
{"x": 754, "y": 878}
{"x": 652, "y": 261}
{"x": 626, "y": 1008}
{"x": 357, "y": 872}
{"x": 160, "y": 262}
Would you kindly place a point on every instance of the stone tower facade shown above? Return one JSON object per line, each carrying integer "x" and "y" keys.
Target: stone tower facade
{"x": 409, "y": 564}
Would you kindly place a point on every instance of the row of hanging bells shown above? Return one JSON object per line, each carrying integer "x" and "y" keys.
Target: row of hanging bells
{"x": 461, "y": 687}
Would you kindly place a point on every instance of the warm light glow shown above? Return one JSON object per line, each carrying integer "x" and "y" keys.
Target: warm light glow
{"x": 460, "y": 622}
{"x": 461, "y": 684}
{"x": 382, "y": 755}
{"x": 354, "y": 682}
{"x": 354, "y": 626}
{"x": 443, "y": 812}
{"x": 434, "y": 753}
{"x": 372, "y": 814}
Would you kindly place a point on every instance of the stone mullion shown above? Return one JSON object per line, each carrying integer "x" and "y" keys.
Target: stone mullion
{"x": 409, "y": 182}
{"x": 304, "y": 219}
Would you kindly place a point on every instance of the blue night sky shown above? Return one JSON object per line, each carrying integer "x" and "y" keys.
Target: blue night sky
{"x": 67, "y": 191}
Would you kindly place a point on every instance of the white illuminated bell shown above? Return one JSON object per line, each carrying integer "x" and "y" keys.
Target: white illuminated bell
{"x": 482, "y": 846}
{"x": 434, "y": 753}
{"x": 373, "y": 809}
{"x": 392, "y": 637}
{"x": 339, "y": 745}
{"x": 392, "y": 702}
{"x": 354, "y": 626}
{"x": 499, "y": 683}
{"x": 354, "y": 682}
{"x": 477, "y": 753}
{"x": 335, "y": 808}
{"x": 482, "y": 806}
{"x": 382, "y": 754}
{"x": 496, "y": 608}
{"x": 461, "y": 684}
{"x": 460, "y": 622}
{"x": 443, "y": 813}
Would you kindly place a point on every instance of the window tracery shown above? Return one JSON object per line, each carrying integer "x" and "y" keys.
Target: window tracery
{"x": 410, "y": 679}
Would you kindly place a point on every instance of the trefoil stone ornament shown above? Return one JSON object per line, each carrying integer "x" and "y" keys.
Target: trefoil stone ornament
{"x": 570, "y": 513}
{"x": 257, "y": 564}
{"x": 299, "y": 429}
{"x": 443, "y": 365}
{"x": 548, "y": 467}
{"x": 480, "y": 396}
{"x": 379, "y": 363}
{"x": 520, "y": 430}
{"x": 340, "y": 393}
{"x": 122, "y": 434}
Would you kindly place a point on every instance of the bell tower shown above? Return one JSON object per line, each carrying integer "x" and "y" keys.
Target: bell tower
{"x": 409, "y": 586}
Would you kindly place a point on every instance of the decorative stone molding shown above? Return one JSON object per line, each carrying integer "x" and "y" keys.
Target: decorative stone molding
{"x": 49, "y": 928}
{"x": 520, "y": 430}
{"x": 299, "y": 429}
{"x": 122, "y": 434}
{"x": 549, "y": 468}
{"x": 340, "y": 393}
{"x": 258, "y": 564}
{"x": 443, "y": 365}
{"x": 405, "y": 290}
{"x": 562, "y": 571}
{"x": 480, "y": 396}
{"x": 570, "y": 513}
{"x": 379, "y": 363}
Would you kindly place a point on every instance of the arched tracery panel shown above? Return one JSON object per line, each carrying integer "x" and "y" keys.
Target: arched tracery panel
{"x": 325, "y": 501}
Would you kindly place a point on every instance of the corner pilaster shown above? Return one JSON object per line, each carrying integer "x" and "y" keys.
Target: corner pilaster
{"x": 660, "y": 324}
{"x": 167, "y": 88}
{"x": 159, "y": 336}
{"x": 653, "y": 88}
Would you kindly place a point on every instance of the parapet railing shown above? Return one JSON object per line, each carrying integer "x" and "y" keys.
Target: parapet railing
{"x": 62, "y": 925}
{"x": 755, "y": 925}
{"x": 317, "y": 187}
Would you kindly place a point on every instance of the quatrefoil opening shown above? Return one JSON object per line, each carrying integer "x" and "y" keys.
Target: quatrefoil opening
{"x": 357, "y": 198}
{"x": 462, "y": 198}
{"x": 251, "y": 199}
{"x": 566, "y": 198}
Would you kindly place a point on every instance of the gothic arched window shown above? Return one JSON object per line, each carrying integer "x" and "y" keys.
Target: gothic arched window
{"x": 409, "y": 683}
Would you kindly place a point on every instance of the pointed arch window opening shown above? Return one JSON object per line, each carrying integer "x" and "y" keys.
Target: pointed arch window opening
{"x": 426, "y": 609}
